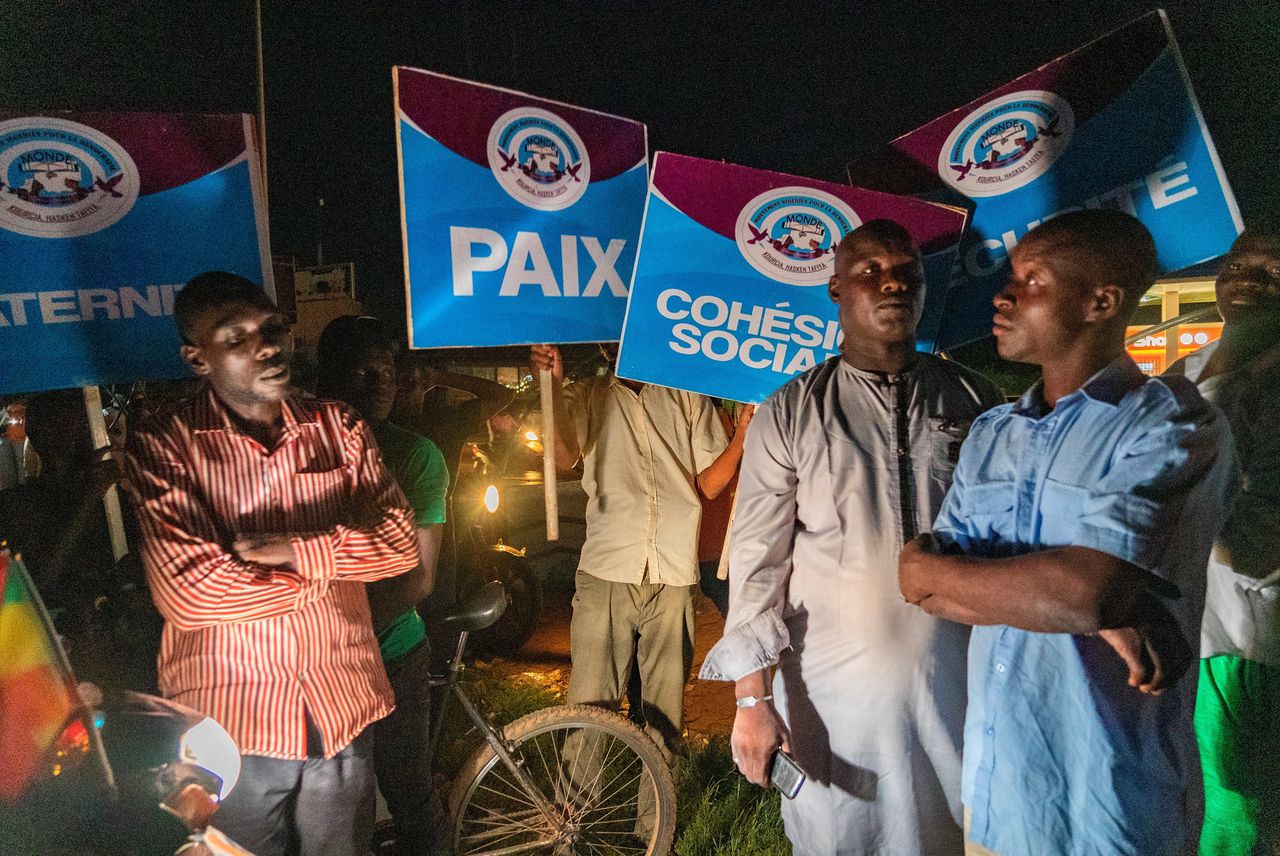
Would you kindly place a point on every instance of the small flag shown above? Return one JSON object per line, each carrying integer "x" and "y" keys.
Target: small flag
{"x": 39, "y": 705}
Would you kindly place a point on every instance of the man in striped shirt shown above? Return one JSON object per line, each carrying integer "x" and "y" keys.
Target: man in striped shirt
{"x": 262, "y": 517}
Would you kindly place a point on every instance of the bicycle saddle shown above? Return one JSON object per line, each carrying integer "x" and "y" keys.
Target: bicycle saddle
{"x": 481, "y": 609}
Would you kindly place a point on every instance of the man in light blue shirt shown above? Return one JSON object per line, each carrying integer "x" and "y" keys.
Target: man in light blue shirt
{"x": 1077, "y": 528}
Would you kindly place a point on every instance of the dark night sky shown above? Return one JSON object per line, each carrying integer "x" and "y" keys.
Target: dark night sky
{"x": 788, "y": 86}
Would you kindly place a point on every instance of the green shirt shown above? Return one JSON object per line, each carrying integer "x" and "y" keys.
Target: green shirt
{"x": 419, "y": 469}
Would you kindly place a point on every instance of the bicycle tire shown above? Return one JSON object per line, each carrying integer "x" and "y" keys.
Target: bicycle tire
{"x": 484, "y": 770}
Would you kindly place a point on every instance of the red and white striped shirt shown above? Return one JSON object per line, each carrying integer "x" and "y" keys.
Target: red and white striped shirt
{"x": 255, "y": 648}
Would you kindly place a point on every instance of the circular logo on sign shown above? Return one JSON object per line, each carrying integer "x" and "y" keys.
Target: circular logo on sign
{"x": 61, "y": 179}
{"x": 538, "y": 159}
{"x": 1006, "y": 143}
{"x": 790, "y": 234}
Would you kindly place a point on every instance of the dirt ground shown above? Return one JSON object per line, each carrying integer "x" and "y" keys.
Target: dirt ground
{"x": 544, "y": 660}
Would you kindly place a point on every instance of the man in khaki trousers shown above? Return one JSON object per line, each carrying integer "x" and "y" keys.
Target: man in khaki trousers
{"x": 647, "y": 452}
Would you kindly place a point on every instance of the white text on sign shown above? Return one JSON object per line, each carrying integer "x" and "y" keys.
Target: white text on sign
{"x": 525, "y": 263}
{"x": 760, "y": 337}
{"x": 18, "y": 309}
{"x": 1168, "y": 185}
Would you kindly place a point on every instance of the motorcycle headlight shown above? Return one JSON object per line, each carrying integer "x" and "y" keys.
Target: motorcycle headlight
{"x": 207, "y": 744}
{"x": 491, "y": 498}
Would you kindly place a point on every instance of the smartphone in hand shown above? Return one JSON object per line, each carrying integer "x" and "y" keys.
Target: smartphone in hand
{"x": 785, "y": 774}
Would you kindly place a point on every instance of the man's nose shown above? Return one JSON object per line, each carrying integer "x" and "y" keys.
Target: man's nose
{"x": 1003, "y": 298}
{"x": 271, "y": 343}
{"x": 894, "y": 282}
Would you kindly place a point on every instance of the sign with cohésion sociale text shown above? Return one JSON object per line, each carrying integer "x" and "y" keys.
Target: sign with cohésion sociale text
{"x": 1113, "y": 124}
{"x": 103, "y": 218}
{"x": 520, "y": 215}
{"x": 730, "y": 297}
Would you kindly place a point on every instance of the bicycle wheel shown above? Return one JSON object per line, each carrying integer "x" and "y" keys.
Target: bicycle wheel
{"x": 608, "y": 786}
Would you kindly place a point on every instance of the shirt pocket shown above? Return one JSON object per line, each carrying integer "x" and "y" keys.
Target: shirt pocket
{"x": 945, "y": 438}
{"x": 1061, "y": 505}
{"x": 988, "y": 513}
{"x": 320, "y": 496}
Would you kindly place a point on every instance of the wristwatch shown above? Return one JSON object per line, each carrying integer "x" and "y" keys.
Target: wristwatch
{"x": 752, "y": 701}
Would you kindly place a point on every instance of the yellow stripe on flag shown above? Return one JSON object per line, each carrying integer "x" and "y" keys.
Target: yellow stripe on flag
{"x": 37, "y": 692}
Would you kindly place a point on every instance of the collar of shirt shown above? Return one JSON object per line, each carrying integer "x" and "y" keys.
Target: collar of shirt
{"x": 1108, "y": 386}
{"x": 881, "y": 377}
{"x": 614, "y": 380}
{"x": 1194, "y": 363}
{"x": 211, "y": 414}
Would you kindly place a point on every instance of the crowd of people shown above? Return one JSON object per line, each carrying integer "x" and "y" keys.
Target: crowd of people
{"x": 973, "y": 624}
{"x": 889, "y": 516}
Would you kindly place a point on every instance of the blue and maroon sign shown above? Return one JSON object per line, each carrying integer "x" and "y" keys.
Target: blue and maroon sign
{"x": 103, "y": 217}
{"x": 730, "y": 294}
{"x": 1112, "y": 124}
{"x": 521, "y": 215}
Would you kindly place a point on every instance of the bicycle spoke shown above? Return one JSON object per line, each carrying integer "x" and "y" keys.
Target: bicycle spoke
{"x": 614, "y": 750}
{"x": 607, "y": 797}
{"x": 515, "y": 850}
{"x": 518, "y": 796}
{"x": 616, "y": 848}
{"x": 619, "y": 789}
{"x": 511, "y": 833}
{"x": 498, "y": 819}
{"x": 582, "y": 757}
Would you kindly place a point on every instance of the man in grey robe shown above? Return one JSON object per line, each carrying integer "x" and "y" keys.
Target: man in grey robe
{"x": 843, "y": 465}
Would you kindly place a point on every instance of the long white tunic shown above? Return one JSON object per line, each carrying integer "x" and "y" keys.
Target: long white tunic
{"x": 843, "y": 466}
{"x": 1242, "y": 602}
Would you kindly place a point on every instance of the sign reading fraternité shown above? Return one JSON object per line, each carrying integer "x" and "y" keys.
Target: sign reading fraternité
{"x": 103, "y": 218}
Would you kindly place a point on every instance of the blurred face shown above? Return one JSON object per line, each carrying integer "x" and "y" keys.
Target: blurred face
{"x": 411, "y": 388}
{"x": 1043, "y": 308}
{"x": 1248, "y": 285}
{"x": 880, "y": 292}
{"x": 243, "y": 349}
{"x": 369, "y": 384}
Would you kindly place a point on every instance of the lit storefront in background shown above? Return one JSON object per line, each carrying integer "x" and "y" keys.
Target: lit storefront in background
{"x": 1151, "y": 351}
{"x": 1186, "y": 305}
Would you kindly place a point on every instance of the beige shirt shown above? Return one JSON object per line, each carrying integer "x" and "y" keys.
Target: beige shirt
{"x": 641, "y": 455}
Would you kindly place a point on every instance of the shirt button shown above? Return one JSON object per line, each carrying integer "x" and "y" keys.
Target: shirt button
{"x": 1000, "y": 668}
{"x": 990, "y": 732}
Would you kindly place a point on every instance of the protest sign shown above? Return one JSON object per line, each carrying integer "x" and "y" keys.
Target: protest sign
{"x": 103, "y": 217}
{"x": 730, "y": 293}
{"x": 1113, "y": 124}
{"x": 520, "y": 215}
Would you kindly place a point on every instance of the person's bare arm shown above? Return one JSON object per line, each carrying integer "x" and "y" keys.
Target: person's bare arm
{"x": 567, "y": 450}
{"x": 391, "y": 597}
{"x": 758, "y": 731}
{"x": 1074, "y": 590}
{"x": 715, "y": 478}
{"x": 1060, "y": 590}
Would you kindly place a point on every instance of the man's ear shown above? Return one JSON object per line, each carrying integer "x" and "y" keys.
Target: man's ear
{"x": 1108, "y": 301}
{"x": 833, "y": 289}
{"x": 191, "y": 356}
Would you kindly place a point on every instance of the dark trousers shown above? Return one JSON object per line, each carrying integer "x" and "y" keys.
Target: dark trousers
{"x": 402, "y": 753}
{"x": 714, "y": 587}
{"x": 315, "y": 806}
